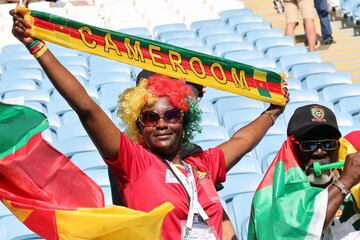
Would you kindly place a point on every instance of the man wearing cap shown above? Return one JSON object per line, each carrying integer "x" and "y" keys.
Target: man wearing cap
{"x": 316, "y": 139}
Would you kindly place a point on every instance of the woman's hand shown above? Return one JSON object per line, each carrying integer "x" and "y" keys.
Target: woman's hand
{"x": 20, "y": 28}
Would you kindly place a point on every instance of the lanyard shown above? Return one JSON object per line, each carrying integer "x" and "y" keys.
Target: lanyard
{"x": 188, "y": 182}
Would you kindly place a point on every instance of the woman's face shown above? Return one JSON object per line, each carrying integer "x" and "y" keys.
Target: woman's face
{"x": 165, "y": 136}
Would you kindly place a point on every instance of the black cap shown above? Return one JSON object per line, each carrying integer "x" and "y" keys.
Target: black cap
{"x": 198, "y": 89}
{"x": 311, "y": 116}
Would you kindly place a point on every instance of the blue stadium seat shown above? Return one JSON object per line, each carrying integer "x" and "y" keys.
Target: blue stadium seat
{"x": 165, "y": 36}
{"x": 70, "y": 130}
{"x": 241, "y": 56}
{"x": 206, "y": 106}
{"x": 212, "y": 95}
{"x": 221, "y": 49}
{"x": 12, "y": 48}
{"x": 12, "y": 229}
{"x": 210, "y": 133}
{"x": 245, "y": 18}
{"x": 214, "y": 39}
{"x": 75, "y": 145}
{"x": 277, "y": 52}
{"x": 206, "y": 31}
{"x": 247, "y": 164}
{"x": 304, "y": 95}
{"x": 267, "y": 160}
{"x": 74, "y": 61}
{"x": 321, "y": 80}
{"x": 168, "y": 27}
{"x": 293, "y": 83}
{"x": 99, "y": 175}
{"x": 6, "y": 87}
{"x": 107, "y": 195}
{"x": 201, "y": 49}
{"x": 21, "y": 64}
{"x": 301, "y": 71}
{"x": 209, "y": 144}
{"x": 288, "y": 61}
{"x": 336, "y": 93}
{"x": 350, "y": 104}
{"x": 254, "y": 35}
{"x": 267, "y": 145}
{"x": 242, "y": 206}
{"x": 264, "y": 62}
{"x": 88, "y": 160}
{"x": 40, "y": 96}
{"x": 209, "y": 119}
{"x": 344, "y": 119}
{"x": 99, "y": 64}
{"x": 265, "y": 44}
{"x": 4, "y": 211}
{"x": 243, "y": 28}
{"x": 234, "y": 12}
{"x": 109, "y": 94}
{"x": 239, "y": 183}
{"x": 99, "y": 79}
{"x": 185, "y": 42}
{"x": 195, "y": 26}
{"x": 230, "y": 118}
{"x": 347, "y": 129}
{"x": 237, "y": 102}
{"x": 137, "y": 31}
{"x": 60, "y": 51}
{"x": 34, "y": 74}
{"x": 14, "y": 56}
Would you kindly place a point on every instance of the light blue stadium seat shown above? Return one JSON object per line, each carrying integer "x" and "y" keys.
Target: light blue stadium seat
{"x": 74, "y": 61}
{"x": 336, "y": 93}
{"x": 168, "y": 27}
{"x": 209, "y": 144}
{"x": 206, "y": 31}
{"x": 185, "y": 42}
{"x": 245, "y": 18}
{"x": 12, "y": 229}
{"x": 78, "y": 71}
{"x": 40, "y": 96}
{"x": 21, "y": 64}
{"x": 137, "y": 31}
{"x": 293, "y": 83}
{"x": 11, "y": 48}
{"x": 99, "y": 64}
{"x": 279, "y": 128}
{"x": 321, "y": 80}
{"x": 345, "y": 7}
{"x": 36, "y": 106}
{"x": 347, "y": 129}
{"x": 212, "y": 95}
{"x": 344, "y": 119}
{"x": 209, "y": 119}
{"x": 206, "y": 106}
{"x": 71, "y": 146}
{"x": 288, "y": 61}
{"x": 231, "y": 118}
{"x": 247, "y": 164}
{"x": 277, "y": 52}
{"x": 244, "y": 229}
{"x": 70, "y": 131}
{"x": 107, "y": 195}
{"x": 14, "y": 56}
{"x": 211, "y": 133}
{"x": 99, "y": 175}
{"x": 243, "y": 55}
{"x": 225, "y": 14}
{"x": 243, "y": 28}
{"x": 304, "y": 95}
{"x": 109, "y": 94}
{"x": 165, "y": 36}
{"x": 49, "y": 136}
{"x": 13, "y": 75}
{"x": 6, "y": 87}
{"x": 201, "y": 49}
{"x": 221, "y": 49}
{"x": 356, "y": 13}
{"x": 195, "y": 26}
{"x": 99, "y": 79}
{"x": 254, "y": 35}
{"x": 60, "y": 51}
{"x": 239, "y": 183}
{"x": 4, "y": 211}
{"x": 242, "y": 206}
{"x": 215, "y": 39}
{"x": 264, "y": 62}
{"x": 58, "y": 106}
{"x": 350, "y": 104}
{"x": 88, "y": 160}
{"x": 268, "y": 144}
{"x": 265, "y": 44}
{"x": 267, "y": 160}
{"x": 303, "y": 70}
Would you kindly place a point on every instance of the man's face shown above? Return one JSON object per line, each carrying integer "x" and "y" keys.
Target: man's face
{"x": 317, "y": 145}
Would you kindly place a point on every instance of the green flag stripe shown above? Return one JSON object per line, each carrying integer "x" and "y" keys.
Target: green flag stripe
{"x": 17, "y": 125}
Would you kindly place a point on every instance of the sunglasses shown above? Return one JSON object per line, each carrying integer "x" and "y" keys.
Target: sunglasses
{"x": 151, "y": 118}
{"x": 310, "y": 146}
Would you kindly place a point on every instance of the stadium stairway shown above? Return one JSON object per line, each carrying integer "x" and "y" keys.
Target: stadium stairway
{"x": 344, "y": 53}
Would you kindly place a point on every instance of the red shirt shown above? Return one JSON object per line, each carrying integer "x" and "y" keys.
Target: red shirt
{"x": 147, "y": 182}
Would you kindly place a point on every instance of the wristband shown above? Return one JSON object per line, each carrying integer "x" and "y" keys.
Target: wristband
{"x": 341, "y": 186}
{"x": 41, "y": 52}
{"x": 270, "y": 115}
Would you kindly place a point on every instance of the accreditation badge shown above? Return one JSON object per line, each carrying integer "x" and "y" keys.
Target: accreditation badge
{"x": 199, "y": 231}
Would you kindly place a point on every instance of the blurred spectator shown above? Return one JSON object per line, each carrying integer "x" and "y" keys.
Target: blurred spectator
{"x": 322, "y": 10}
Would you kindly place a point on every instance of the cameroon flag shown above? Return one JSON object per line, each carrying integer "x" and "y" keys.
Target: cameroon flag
{"x": 285, "y": 206}
{"x": 53, "y": 197}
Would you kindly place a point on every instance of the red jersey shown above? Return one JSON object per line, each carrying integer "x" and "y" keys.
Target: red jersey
{"x": 147, "y": 182}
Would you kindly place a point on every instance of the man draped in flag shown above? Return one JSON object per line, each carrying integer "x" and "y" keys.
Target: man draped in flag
{"x": 292, "y": 202}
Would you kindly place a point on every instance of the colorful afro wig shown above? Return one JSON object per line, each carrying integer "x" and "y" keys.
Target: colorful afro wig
{"x": 180, "y": 95}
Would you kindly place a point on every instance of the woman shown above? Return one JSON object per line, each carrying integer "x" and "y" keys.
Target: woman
{"x": 161, "y": 115}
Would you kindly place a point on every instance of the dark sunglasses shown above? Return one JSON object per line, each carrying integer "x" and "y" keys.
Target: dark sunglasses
{"x": 151, "y": 118}
{"x": 310, "y": 146}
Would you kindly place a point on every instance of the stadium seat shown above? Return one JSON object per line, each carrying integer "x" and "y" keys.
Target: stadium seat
{"x": 304, "y": 95}
{"x": 347, "y": 129}
{"x": 243, "y": 28}
{"x": 14, "y": 56}
{"x": 221, "y": 49}
{"x": 206, "y": 31}
{"x": 210, "y": 133}
{"x": 168, "y": 27}
{"x": 206, "y": 106}
{"x": 244, "y": 229}
{"x": 243, "y": 55}
{"x": 242, "y": 206}
{"x": 88, "y": 160}
{"x": 74, "y": 61}
{"x": 293, "y": 83}
{"x": 98, "y": 79}
{"x": 321, "y": 80}
{"x": 109, "y": 94}
{"x": 70, "y": 131}
{"x": 137, "y": 31}
{"x": 336, "y": 93}
{"x": 34, "y": 74}
{"x": 247, "y": 164}
{"x": 301, "y": 71}
{"x": 213, "y": 94}
{"x": 71, "y": 146}
{"x": 12, "y": 229}
{"x": 267, "y": 160}
{"x": 288, "y": 61}
{"x": 195, "y": 26}
{"x": 100, "y": 64}
{"x": 185, "y": 42}
{"x": 215, "y": 39}
{"x": 231, "y": 118}
{"x": 267, "y": 145}
{"x": 254, "y": 35}
{"x": 209, "y": 119}
{"x": 4, "y": 211}
{"x": 201, "y": 49}
{"x": 234, "y": 12}
{"x": 99, "y": 175}
{"x": 277, "y": 52}
{"x": 165, "y": 36}
{"x": 6, "y": 87}
{"x": 344, "y": 119}
{"x": 12, "y": 48}
{"x": 350, "y": 104}
{"x": 107, "y": 195}
{"x": 264, "y": 62}
{"x": 40, "y": 96}
{"x": 209, "y": 144}
{"x": 245, "y": 18}
{"x": 265, "y": 44}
